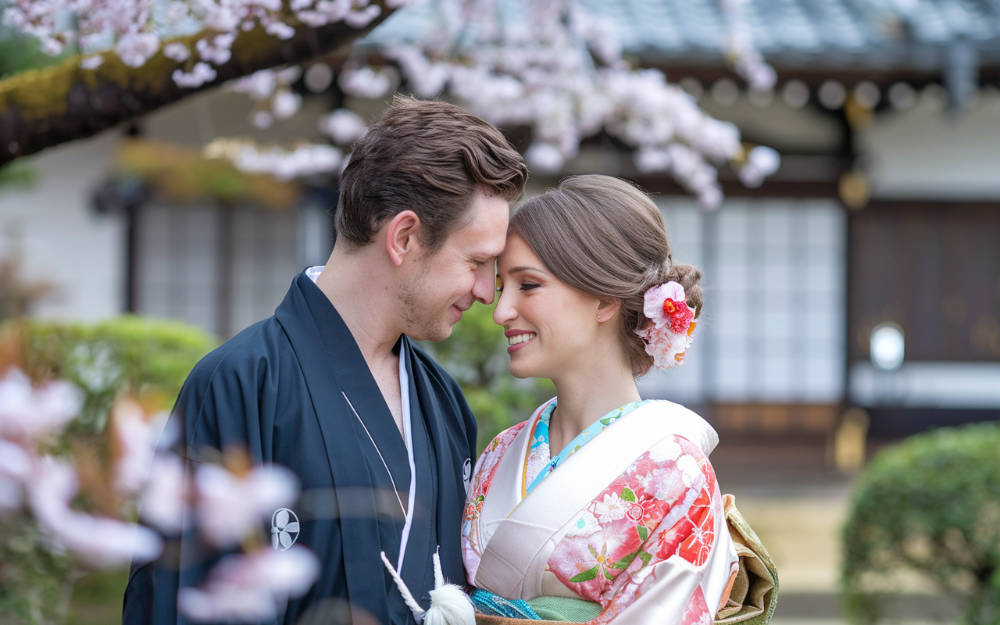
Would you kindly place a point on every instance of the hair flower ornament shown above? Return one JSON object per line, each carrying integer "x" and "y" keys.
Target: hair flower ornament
{"x": 671, "y": 322}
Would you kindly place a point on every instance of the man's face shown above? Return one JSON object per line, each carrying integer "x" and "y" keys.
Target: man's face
{"x": 461, "y": 272}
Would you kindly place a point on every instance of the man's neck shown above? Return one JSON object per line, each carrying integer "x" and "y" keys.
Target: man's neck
{"x": 364, "y": 302}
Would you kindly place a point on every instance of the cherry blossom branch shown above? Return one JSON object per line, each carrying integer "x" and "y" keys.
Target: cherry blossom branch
{"x": 80, "y": 97}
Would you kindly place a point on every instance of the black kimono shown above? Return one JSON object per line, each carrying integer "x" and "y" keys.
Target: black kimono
{"x": 284, "y": 389}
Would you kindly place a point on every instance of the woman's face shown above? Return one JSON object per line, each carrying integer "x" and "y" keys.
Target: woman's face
{"x": 550, "y": 326}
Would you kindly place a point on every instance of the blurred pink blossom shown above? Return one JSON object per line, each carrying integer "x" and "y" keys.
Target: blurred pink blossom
{"x": 30, "y": 414}
{"x": 250, "y": 588}
{"x": 164, "y": 501}
{"x": 229, "y": 506}
{"x": 98, "y": 541}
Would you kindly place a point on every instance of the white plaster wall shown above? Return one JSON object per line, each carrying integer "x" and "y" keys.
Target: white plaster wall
{"x": 61, "y": 239}
{"x": 928, "y": 153}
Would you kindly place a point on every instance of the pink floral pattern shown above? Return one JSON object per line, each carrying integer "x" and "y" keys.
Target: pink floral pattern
{"x": 486, "y": 468}
{"x": 663, "y": 506}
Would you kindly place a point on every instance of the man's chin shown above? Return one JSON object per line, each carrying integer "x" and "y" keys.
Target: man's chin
{"x": 434, "y": 335}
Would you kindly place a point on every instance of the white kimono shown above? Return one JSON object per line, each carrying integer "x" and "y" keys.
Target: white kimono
{"x": 632, "y": 520}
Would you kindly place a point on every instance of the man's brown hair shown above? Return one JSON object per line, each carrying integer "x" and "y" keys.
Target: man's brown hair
{"x": 429, "y": 157}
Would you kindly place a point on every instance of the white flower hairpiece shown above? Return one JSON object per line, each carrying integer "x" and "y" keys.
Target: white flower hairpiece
{"x": 671, "y": 322}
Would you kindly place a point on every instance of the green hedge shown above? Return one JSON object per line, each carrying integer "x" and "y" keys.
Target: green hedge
{"x": 142, "y": 357}
{"x": 931, "y": 506}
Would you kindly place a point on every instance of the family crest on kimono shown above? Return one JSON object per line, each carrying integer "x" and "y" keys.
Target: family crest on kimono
{"x": 333, "y": 387}
{"x": 601, "y": 507}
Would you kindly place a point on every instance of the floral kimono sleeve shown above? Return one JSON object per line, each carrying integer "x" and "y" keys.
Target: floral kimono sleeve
{"x": 482, "y": 480}
{"x": 653, "y": 546}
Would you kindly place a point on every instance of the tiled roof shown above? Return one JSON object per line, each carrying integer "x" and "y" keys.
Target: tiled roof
{"x": 855, "y": 34}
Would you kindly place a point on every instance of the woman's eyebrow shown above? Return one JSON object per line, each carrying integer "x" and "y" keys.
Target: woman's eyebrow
{"x": 521, "y": 268}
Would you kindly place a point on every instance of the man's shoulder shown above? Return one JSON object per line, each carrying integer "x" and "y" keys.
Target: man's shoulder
{"x": 249, "y": 350}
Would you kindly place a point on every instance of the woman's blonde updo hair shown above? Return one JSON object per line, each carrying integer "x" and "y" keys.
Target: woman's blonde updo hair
{"x": 605, "y": 237}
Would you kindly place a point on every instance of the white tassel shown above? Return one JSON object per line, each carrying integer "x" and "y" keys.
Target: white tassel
{"x": 449, "y": 603}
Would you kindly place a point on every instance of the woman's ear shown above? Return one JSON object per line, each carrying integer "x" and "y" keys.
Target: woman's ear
{"x": 607, "y": 308}
{"x": 401, "y": 236}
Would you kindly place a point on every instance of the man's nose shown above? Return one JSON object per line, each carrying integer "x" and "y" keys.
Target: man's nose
{"x": 485, "y": 286}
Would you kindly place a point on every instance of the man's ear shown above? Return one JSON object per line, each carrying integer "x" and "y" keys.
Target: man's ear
{"x": 400, "y": 236}
{"x": 607, "y": 308}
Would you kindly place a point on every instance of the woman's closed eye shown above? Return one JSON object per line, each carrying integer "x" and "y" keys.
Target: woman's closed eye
{"x": 524, "y": 286}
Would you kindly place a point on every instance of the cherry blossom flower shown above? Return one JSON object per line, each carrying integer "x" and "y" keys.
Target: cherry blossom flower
{"x": 366, "y": 82}
{"x": 230, "y": 505}
{"x": 199, "y": 75}
{"x": 285, "y": 104}
{"x": 611, "y": 508}
{"x": 135, "y": 437}
{"x": 135, "y": 48}
{"x": 343, "y": 126}
{"x": 761, "y": 162}
{"x": 300, "y": 161}
{"x": 91, "y": 62}
{"x": 250, "y": 588}
{"x": 29, "y": 414}
{"x": 103, "y": 542}
{"x": 176, "y": 51}
{"x": 544, "y": 158}
{"x": 259, "y": 85}
{"x": 165, "y": 499}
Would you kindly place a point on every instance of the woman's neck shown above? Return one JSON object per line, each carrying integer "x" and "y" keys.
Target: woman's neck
{"x": 585, "y": 397}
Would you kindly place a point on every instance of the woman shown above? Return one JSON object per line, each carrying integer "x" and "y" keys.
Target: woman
{"x": 602, "y": 507}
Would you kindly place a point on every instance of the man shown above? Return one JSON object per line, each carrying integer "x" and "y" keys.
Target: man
{"x": 332, "y": 386}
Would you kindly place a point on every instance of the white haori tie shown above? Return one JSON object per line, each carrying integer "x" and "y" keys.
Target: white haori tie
{"x": 449, "y": 603}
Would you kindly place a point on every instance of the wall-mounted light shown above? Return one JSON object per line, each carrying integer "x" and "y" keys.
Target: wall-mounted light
{"x": 887, "y": 346}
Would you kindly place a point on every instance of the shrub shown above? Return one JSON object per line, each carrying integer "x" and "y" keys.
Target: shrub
{"x": 931, "y": 506}
{"x": 144, "y": 358}
{"x": 147, "y": 358}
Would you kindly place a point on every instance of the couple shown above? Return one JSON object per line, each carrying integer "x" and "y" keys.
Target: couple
{"x": 600, "y": 508}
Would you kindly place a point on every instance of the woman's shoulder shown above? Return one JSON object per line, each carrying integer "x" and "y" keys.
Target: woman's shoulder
{"x": 681, "y": 421}
{"x": 503, "y": 440}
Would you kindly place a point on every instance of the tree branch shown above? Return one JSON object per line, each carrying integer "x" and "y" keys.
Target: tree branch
{"x": 50, "y": 106}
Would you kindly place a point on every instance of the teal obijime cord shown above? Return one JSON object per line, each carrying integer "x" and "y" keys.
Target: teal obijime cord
{"x": 495, "y": 605}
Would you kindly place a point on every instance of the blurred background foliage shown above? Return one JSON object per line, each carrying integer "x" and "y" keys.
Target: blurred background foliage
{"x": 19, "y": 52}
{"x": 139, "y": 357}
{"x": 928, "y": 506}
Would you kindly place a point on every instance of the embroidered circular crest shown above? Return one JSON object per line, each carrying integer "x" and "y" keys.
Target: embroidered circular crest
{"x": 467, "y": 474}
{"x": 284, "y": 529}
